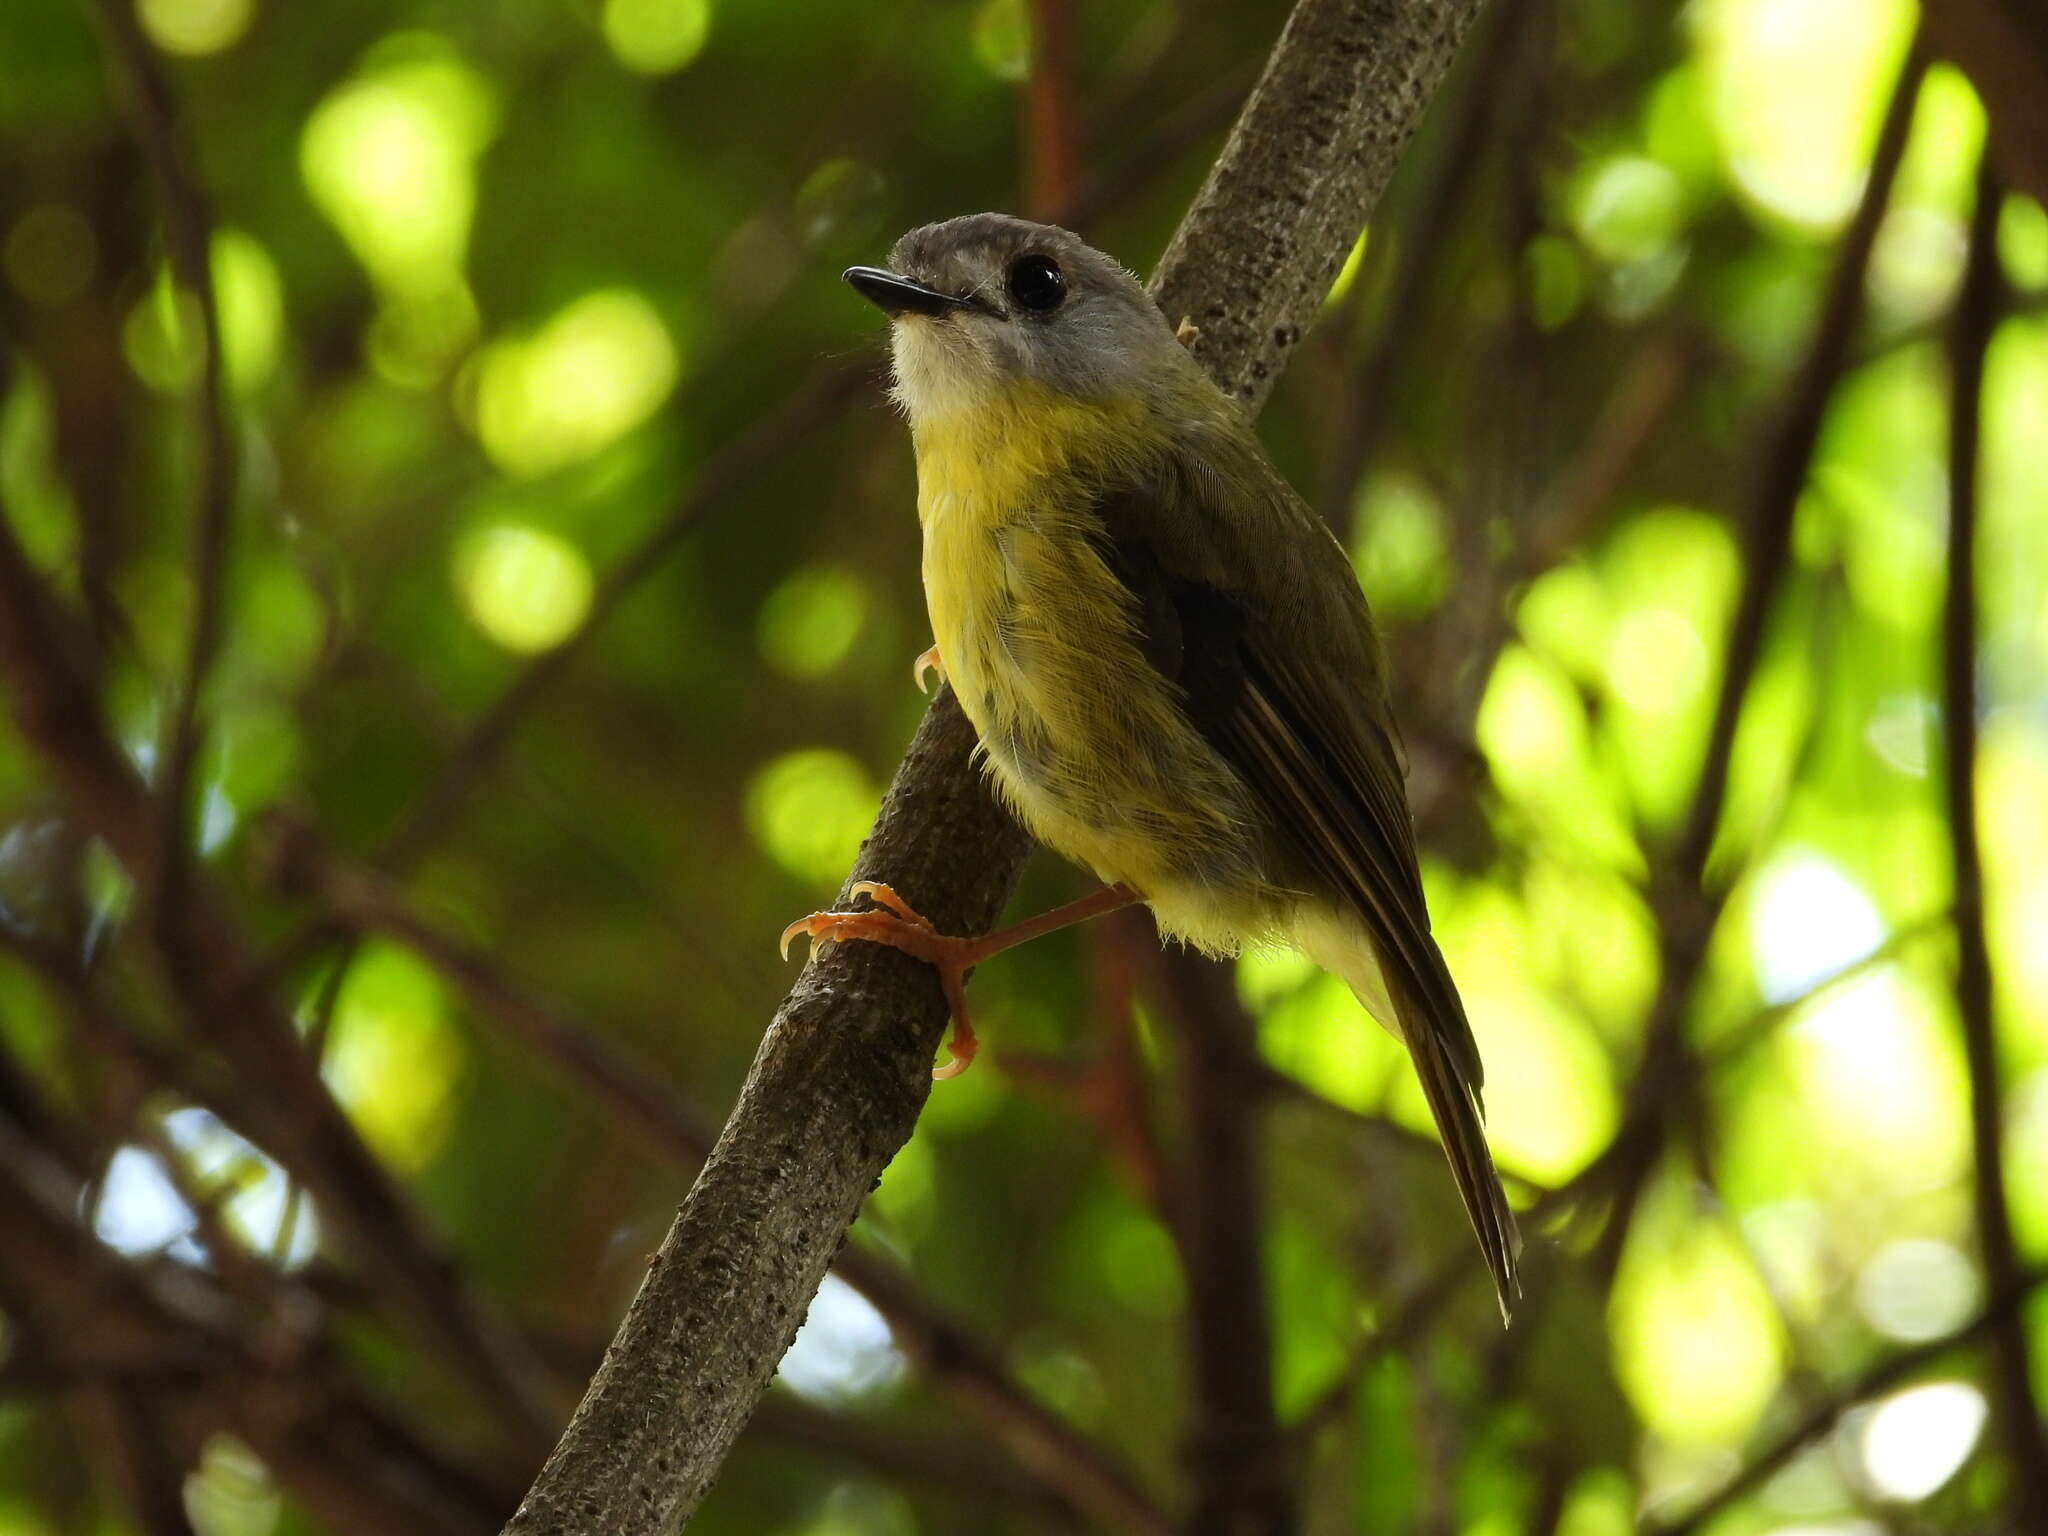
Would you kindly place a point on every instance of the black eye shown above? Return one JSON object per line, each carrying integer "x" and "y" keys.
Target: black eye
{"x": 1037, "y": 283}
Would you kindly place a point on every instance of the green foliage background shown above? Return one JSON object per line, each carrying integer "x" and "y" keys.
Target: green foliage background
{"x": 508, "y": 290}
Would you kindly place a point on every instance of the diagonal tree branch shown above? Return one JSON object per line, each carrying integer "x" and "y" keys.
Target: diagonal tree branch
{"x": 845, "y": 1067}
{"x": 1060, "y": 1463}
{"x": 2011, "y": 1364}
{"x": 1878, "y": 1379}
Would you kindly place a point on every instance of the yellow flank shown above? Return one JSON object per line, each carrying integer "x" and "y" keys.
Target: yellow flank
{"x": 1081, "y": 733}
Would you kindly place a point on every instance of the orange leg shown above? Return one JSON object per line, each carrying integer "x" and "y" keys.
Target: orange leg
{"x": 927, "y": 661}
{"x": 893, "y": 921}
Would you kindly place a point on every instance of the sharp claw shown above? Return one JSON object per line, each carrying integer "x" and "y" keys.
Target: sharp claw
{"x": 953, "y": 1068}
{"x": 927, "y": 661}
{"x": 801, "y": 925}
{"x": 885, "y": 897}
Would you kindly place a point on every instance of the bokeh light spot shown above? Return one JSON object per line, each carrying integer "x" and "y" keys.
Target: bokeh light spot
{"x": 1881, "y": 1078}
{"x": 1002, "y": 38}
{"x": 1402, "y": 559}
{"x": 2023, "y": 241}
{"x": 592, "y": 373}
{"x": 1807, "y": 920}
{"x": 389, "y": 157}
{"x": 251, "y": 298}
{"x": 1656, "y": 661}
{"x": 809, "y": 622}
{"x": 159, "y": 337}
{"x": 1629, "y": 208}
{"x": 139, "y": 1209}
{"x": 810, "y": 809}
{"x": 1795, "y": 90}
{"x": 656, "y": 37}
{"x": 392, "y": 1056}
{"x": 1529, "y": 724}
{"x": 194, "y": 26}
{"x": 844, "y": 1349}
{"x": 1550, "y": 1105}
{"x": 523, "y": 586}
{"x": 231, "y": 1492}
{"x": 1697, "y": 1343}
{"x": 1916, "y": 1440}
{"x": 1916, "y": 1289}
{"x": 1917, "y": 262}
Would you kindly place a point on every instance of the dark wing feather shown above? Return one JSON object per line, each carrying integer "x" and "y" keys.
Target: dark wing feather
{"x": 1326, "y": 769}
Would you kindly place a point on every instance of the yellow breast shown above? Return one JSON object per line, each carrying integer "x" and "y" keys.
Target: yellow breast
{"x": 1085, "y": 739}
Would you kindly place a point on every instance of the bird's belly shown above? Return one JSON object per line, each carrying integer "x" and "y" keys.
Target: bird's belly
{"x": 1084, "y": 738}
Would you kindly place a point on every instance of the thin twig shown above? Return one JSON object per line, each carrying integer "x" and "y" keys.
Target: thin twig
{"x": 2011, "y": 1353}
{"x": 171, "y": 1329}
{"x": 1879, "y": 1378}
{"x": 1210, "y": 110}
{"x": 1688, "y": 903}
{"x": 1417, "y": 248}
{"x": 436, "y": 805}
{"x": 188, "y": 235}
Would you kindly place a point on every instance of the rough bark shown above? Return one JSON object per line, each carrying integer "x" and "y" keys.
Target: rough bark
{"x": 1287, "y": 198}
{"x": 845, "y": 1066}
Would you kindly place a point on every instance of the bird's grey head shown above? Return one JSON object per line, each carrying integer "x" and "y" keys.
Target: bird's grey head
{"x": 988, "y": 301}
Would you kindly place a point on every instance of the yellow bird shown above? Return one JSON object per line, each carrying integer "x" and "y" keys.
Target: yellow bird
{"x": 1164, "y": 651}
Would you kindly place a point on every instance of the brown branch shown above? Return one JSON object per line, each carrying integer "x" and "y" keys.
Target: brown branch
{"x": 1629, "y": 423}
{"x": 1218, "y": 1206}
{"x": 188, "y": 234}
{"x": 845, "y": 1066}
{"x": 2011, "y": 1353}
{"x": 171, "y": 1335}
{"x": 1052, "y": 128}
{"x": 1209, "y": 110}
{"x": 966, "y": 1371}
{"x": 1064, "y": 1466}
{"x": 1879, "y": 1378}
{"x": 1304, "y": 168}
{"x": 1688, "y": 903}
{"x": 123, "y": 1438}
{"x": 2002, "y": 45}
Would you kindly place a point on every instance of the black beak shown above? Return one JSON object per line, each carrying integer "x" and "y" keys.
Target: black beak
{"x": 896, "y": 295}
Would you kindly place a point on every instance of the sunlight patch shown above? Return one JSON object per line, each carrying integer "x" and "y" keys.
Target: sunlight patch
{"x": 586, "y": 378}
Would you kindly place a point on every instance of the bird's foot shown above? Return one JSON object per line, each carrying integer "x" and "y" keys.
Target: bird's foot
{"x": 894, "y": 922}
{"x": 927, "y": 661}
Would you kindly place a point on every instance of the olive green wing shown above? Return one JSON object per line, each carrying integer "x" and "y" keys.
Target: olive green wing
{"x": 1260, "y": 621}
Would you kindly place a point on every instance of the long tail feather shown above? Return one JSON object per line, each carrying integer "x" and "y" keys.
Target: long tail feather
{"x": 1458, "y": 1114}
